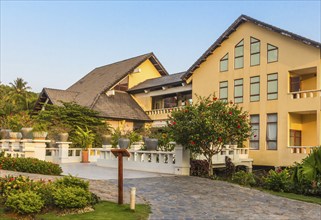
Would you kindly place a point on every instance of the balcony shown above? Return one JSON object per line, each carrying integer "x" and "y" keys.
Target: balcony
{"x": 306, "y": 94}
{"x": 162, "y": 114}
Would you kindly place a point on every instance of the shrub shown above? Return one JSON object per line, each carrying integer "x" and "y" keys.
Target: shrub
{"x": 44, "y": 190}
{"x": 71, "y": 197}
{"x": 11, "y": 184}
{"x": 278, "y": 181}
{"x": 30, "y": 165}
{"x": 243, "y": 178}
{"x": 70, "y": 181}
{"x": 199, "y": 168}
{"x": 24, "y": 202}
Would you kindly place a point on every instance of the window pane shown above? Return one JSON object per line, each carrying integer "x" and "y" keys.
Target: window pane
{"x": 271, "y": 131}
{"x": 255, "y": 118}
{"x": 255, "y": 47}
{"x": 225, "y": 57}
{"x": 272, "y": 96}
{"x": 272, "y": 76}
{"x": 238, "y": 100}
{"x": 272, "y": 118}
{"x": 238, "y": 91}
{"x": 271, "y": 47}
{"x": 223, "y": 93}
{"x": 239, "y": 62}
{"x": 255, "y": 59}
{"x": 255, "y": 89}
{"x": 223, "y": 65}
{"x": 238, "y": 51}
{"x": 271, "y": 145}
{"x": 223, "y": 84}
{"x": 255, "y": 98}
{"x": 238, "y": 82}
{"x": 254, "y": 145}
{"x": 272, "y": 56}
{"x": 240, "y": 43}
{"x": 255, "y": 79}
{"x": 273, "y": 87}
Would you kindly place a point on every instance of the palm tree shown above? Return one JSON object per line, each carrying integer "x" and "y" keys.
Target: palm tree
{"x": 20, "y": 93}
{"x": 20, "y": 86}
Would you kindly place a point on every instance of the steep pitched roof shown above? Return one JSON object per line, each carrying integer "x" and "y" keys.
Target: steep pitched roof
{"x": 119, "y": 106}
{"x": 240, "y": 20}
{"x": 55, "y": 96}
{"x": 172, "y": 79}
{"x": 103, "y": 78}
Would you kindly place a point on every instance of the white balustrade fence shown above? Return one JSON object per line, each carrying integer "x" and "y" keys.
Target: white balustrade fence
{"x": 301, "y": 149}
{"x": 175, "y": 162}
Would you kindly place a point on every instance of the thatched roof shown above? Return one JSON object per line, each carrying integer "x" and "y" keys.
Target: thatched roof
{"x": 103, "y": 78}
{"x": 90, "y": 91}
{"x": 240, "y": 20}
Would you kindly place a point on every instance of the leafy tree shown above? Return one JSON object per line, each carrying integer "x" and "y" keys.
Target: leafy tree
{"x": 73, "y": 116}
{"x": 205, "y": 127}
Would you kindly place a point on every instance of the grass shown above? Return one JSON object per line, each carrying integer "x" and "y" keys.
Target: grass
{"x": 294, "y": 196}
{"x": 103, "y": 211}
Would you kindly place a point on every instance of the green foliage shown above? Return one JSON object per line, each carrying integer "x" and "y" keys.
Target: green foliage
{"x": 16, "y": 121}
{"x": 71, "y": 197}
{"x": 278, "y": 181}
{"x": 209, "y": 124}
{"x": 133, "y": 136}
{"x": 115, "y": 137}
{"x": 311, "y": 165}
{"x": 16, "y": 98}
{"x": 11, "y": 184}
{"x": 72, "y": 116}
{"x": 30, "y": 165}
{"x": 244, "y": 178}
{"x": 70, "y": 181}
{"x": 27, "y": 202}
{"x": 164, "y": 139}
{"x": 84, "y": 138}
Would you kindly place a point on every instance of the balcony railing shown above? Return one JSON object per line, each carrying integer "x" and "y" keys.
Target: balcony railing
{"x": 163, "y": 110}
{"x": 301, "y": 149}
{"x": 306, "y": 94}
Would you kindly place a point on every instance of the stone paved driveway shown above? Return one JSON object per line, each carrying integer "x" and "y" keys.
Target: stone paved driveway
{"x": 202, "y": 199}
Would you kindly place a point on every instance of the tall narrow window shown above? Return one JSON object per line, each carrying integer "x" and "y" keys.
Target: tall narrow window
{"x": 238, "y": 90}
{"x": 272, "y": 53}
{"x": 255, "y": 137}
{"x": 224, "y": 90}
{"x": 295, "y": 83}
{"x": 255, "y": 89}
{"x": 239, "y": 55}
{"x": 272, "y": 90}
{"x": 272, "y": 132}
{"x": 224, "y": 63}
{"x": 255, "y": 51}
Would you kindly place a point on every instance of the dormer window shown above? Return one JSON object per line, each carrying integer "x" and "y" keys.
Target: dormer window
{"x": 255, "y": 51}
{"x": 224, "y": 63}
{"x": 239, "y": 55}
{"x": 272, "y": 53}
{"x": 122, "y": 85}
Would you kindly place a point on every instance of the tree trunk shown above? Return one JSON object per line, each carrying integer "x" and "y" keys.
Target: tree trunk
{"x": 210, "y": 168}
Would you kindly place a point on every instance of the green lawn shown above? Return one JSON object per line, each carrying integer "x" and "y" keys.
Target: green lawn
{"x": 103, "y": 210}
{"x": 294, "y": 196}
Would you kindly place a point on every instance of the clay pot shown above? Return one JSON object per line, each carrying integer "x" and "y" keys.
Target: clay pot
{"x": 39, "y": 135}
{"x": 4, "y": 133}
{"x": 106, "y": 139}
{"x": 123, "y": 143}
{"x": 63, "y": 137}
{"x": 85, "y": 156}
{"x": 26, "y": 133}
{"x": 151, "y": 144}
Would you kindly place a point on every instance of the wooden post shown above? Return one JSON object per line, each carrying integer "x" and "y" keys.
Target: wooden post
{"x": 120, "y": 179}
{"x": 120, "y": 153}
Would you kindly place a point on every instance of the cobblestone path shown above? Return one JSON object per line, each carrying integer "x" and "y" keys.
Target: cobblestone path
{"x": 193, "y": 198}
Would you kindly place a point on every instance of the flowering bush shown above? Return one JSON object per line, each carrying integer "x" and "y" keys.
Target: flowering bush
{"x": 278, "y": 180}
{"x": 30, "y": 165}
{"x": 209, "y": 124}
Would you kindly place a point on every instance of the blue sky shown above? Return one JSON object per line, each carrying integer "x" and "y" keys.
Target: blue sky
{"x": 55, "y": 43}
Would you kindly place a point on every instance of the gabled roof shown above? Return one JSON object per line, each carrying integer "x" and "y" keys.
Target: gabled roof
{"x": 119, "y": 106}
{"x": 173, "y": 79}
{"x": 240, "y": 20}
{"x": 55, "y": 96}
{"x": 103, "y": 78}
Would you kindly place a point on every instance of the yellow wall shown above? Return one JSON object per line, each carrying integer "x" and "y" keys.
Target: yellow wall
{"x": 121, "y": 124}
{"x": 309, "y": 83}
{"x": 309, "y": 127}
{"x": 148, "y": 71}
{"x": 292, "y": 55}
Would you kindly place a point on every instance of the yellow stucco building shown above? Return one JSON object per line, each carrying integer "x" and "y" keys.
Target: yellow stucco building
{"x": 275, "y": 76}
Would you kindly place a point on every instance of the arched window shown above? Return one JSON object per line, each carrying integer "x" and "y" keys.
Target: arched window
{"x": 224, "y": 63}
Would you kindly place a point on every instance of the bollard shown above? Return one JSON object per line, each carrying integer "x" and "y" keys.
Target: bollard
{"x": 132, "y": 198}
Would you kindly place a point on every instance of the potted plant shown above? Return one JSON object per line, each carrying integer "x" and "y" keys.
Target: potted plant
{"x": 60, "y": 131}
{"x": 14, "y": 124}
{"x": 124, "y": 142}
{"x": 39, "y": 131}
{"x": 84, "y": 138}
{"x": 151, "y": 144}
{"x": 106, "y": 134}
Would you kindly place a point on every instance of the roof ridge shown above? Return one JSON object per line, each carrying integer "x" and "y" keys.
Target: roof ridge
{"x": 244, "y": 18}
